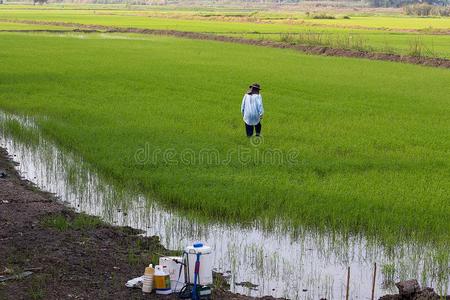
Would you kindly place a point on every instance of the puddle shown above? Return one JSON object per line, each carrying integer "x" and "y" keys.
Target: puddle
{"x": 304, "y": 265}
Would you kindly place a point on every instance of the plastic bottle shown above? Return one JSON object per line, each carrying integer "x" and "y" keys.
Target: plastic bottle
{"x": 147, "y": 285}
{"x": 162, "y": 281}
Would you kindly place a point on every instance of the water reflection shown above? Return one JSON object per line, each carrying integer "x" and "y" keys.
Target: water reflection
{"x": 305, "y": 265}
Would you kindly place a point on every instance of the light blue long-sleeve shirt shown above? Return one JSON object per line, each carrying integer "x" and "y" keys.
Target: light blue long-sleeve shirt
{"x": 252, "y": 108}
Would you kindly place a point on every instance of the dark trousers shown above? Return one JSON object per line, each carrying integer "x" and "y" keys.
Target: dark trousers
{"x": 249, "y": 129}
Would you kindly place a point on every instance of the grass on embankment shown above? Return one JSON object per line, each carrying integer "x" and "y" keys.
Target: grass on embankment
{"x": 80, "y": 221}
{"x": 371, "y": 138}
{"x": 388, "y": 40}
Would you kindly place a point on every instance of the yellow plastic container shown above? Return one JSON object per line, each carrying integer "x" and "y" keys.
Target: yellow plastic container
{"x": 161, "y": 281}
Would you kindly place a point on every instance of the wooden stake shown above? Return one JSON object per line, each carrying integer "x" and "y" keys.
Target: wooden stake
{"x": 348, "y": 283}
{"x": 373, "y": 280}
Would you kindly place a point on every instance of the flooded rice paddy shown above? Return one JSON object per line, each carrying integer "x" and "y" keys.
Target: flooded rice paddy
{"x": 284, "y": 262}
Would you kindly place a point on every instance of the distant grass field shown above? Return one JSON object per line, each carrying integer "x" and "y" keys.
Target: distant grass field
{"x": 266, "y": 26}
{"x": 389, "y": 22}
{"x": 357, "y": 18}
{"x": 370, "y": 139}
{"x": 375, "y": 21}
{"x": 18, "y": 26}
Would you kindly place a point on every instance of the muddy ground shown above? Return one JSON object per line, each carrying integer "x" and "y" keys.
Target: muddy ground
{"x": 70, "y": 255}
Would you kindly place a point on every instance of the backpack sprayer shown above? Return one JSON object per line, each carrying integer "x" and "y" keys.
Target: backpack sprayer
{"x": 196, "y": 287}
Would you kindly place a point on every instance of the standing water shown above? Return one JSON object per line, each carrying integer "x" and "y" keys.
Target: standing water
{"x": 282, "y": 262}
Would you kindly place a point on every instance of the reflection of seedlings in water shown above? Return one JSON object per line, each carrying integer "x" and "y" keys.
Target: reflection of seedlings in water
{"x": 72, "y": 174}
{"x": 233, "y": 258}
{"x": 26, "y": 135}
{"x": 388, "y": 271}
{"x": 328, "y": 286}
{"x": 259, "y": 259}
{"x": 423, "y": 274}
{"x": 443, "y": 270}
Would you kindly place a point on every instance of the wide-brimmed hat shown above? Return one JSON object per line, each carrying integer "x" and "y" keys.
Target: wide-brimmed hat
{"x": 255, "y": 86}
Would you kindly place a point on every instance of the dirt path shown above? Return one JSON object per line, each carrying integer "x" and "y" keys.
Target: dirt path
{"x": 315, "y": 50}
{"x": 70, "y": 255}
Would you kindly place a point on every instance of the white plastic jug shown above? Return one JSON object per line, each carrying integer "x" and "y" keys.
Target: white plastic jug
{"x": 205, "y": 271}
{"x": 172, "y": 265}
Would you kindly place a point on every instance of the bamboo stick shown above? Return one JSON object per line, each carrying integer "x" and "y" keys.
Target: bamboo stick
{"x": 373, "y": 280}
{"x": 348, "y": 284}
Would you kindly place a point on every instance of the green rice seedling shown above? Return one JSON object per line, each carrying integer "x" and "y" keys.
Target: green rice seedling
{"x": 14, "y": 128}
{"x": 388, "y": 271}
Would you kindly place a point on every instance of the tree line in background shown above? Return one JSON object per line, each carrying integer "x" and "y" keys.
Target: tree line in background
{"x": 417, "y": 5}
{"x": 425, "y": 9}
{"x": 411, "y": 7}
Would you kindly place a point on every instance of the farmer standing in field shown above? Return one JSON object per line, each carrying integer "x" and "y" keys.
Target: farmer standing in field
{"x": 252, "y": 110}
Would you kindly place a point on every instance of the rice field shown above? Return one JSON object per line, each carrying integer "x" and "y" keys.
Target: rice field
{"x": 349, "y": 145}
{"x": 375, "y": 33}
{"x": 353, "y": 166}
